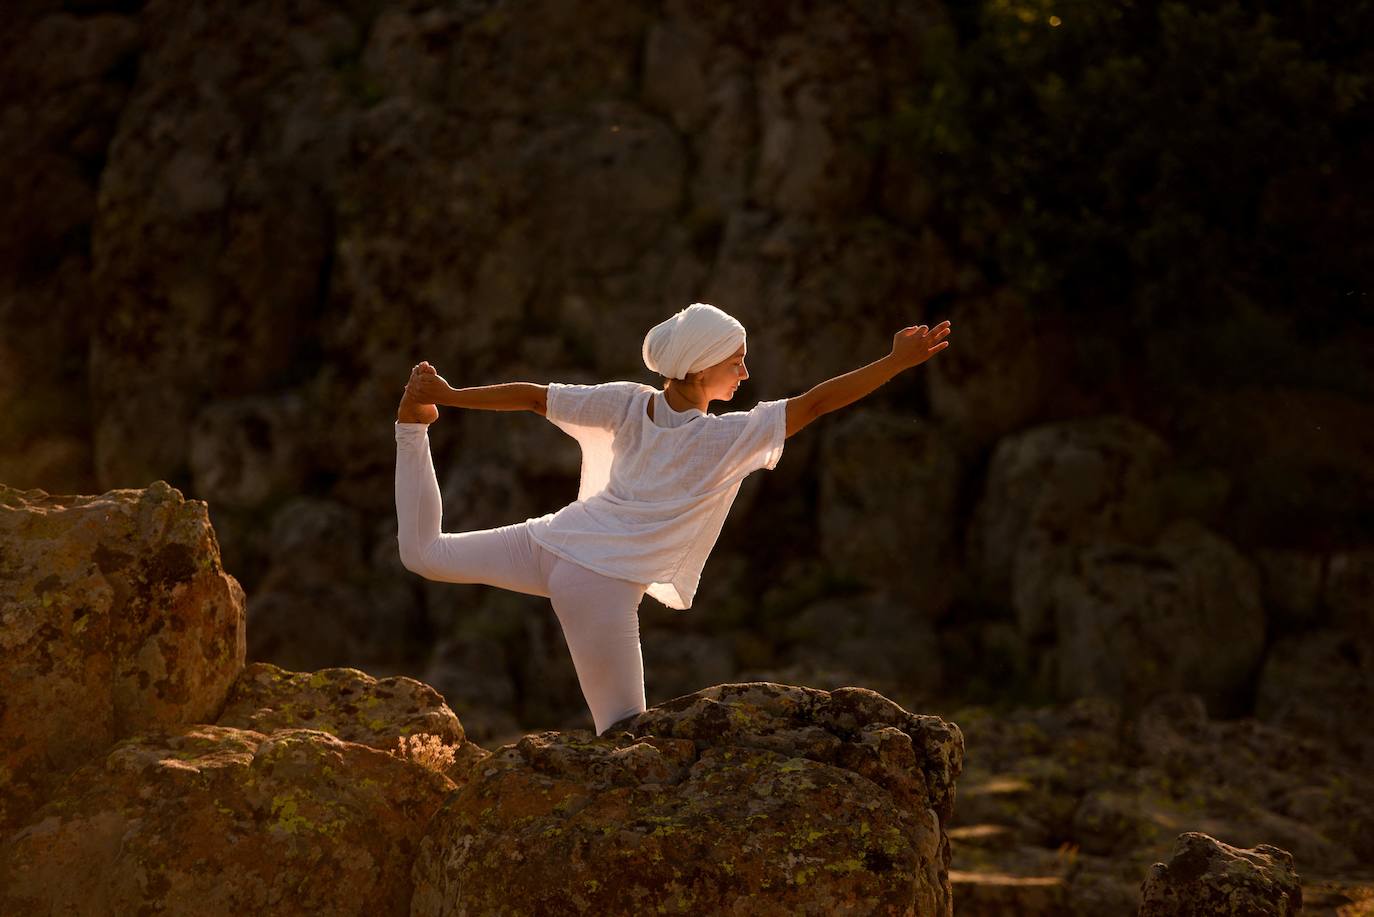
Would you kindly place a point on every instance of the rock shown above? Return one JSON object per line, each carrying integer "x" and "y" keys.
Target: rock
{"x": 348, "y": 704}
{"x": 1073, "y": 525}
{"x": 880, "y": 640}
{"x": 724, "y": 147}
{"x": 66, "y": 77}
{"x": 217, "y": 820}
{"x": 768, "y": 798}
{"x": 1349, "y": 588}
{"x": 1205, "y": 876}
{"x": 245, "y": 452}
{"x": 1184, "y": 615}
{"x": 677, "y": 663}
{"x": 406, "y": 53}
{"x": 809, "y": 90}
{"x": 117, "y": 617}
{"x": 1005, "y": 369}
{"x": 1293, "y": 583}
{"x": 59, "y": 463}
{"x": 1251, "y": 780}
{"x": 1074, "y": 791}
{"x": 888, "y": 487}
{"x": 677, "y": 68}
{"x": 1051, "y": 490}
{"x": 1311, "y": 681}
{"x": 319, "y": 603}
{"x": 213, "y": 232}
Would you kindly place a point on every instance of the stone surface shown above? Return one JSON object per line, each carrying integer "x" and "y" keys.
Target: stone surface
{"x": 117, "y": 616}
{"x": 208, "y": 819}
{"x": 1083, "y": 794}
{"x": 1051, "y": 490}
{"x": 348, "y": 704}
{"x": 1006, "y": 369}
{"x": 888, "y": 485}
{"x": 1181, "y": 615}
{"x": 1311, "y": 681}
{"x": 1206, "y": 876}
{"x": 750, "y": 798}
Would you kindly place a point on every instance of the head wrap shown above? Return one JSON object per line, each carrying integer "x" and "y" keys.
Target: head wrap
{"x": 697, "y": 337}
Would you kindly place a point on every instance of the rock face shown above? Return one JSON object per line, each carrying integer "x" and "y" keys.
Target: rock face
{"x": 115, "y": 617}
{"x": 752, "y": 798}
{"x": 1112, "y": 598}
{"x": 1208, "y": 877}
{"x": 1085, "y": 797}
{"x": 209, "y": 787}
{"x": 348, "y": 704}
{"x": 216, "y": 820}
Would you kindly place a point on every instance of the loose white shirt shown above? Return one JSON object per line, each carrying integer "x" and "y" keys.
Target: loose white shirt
{"x": 653, "y": 494}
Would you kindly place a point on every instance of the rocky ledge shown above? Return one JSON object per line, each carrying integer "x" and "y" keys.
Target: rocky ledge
{"x": 144, "y": 767}
{"x": 147, "y": 768}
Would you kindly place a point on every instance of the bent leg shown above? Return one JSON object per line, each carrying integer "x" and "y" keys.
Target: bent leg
{"x": 600, "y": 620}
{"x": 502, "y": 557}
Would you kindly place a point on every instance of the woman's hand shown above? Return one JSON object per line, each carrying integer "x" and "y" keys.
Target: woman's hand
{"x": 914, "y": 345}
{"x": 426, "y": 386}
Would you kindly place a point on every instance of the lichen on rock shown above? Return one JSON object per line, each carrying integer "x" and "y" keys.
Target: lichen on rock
{"x": 779, "y": 798}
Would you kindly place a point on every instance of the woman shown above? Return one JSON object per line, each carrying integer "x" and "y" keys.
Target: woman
{"x": 658, "y": 477}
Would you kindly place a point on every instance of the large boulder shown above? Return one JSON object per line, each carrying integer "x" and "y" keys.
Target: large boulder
{"x": 1052, "y": 490}
{"x": 1117, "y": 590}
{"x": 117, "y": 617}
{"x": 218, "y": 820}
{"x": 752, "y": 798}
{"x": 1182, "y": 615}
{"x": 350, "y": 705}
{"x": 1206, "y": 877}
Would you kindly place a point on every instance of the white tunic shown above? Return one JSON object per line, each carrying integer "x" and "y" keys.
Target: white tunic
{"x": 653, "y": 494}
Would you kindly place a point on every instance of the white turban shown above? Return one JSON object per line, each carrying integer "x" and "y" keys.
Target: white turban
{"x": 697, "y": 337}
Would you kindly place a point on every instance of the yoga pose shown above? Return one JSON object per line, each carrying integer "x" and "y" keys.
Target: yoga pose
{"x": 658, "y": 477}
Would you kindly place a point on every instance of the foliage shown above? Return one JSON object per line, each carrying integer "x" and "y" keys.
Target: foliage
{"x": 1158, "y": 159}
{"x": 425, "y": 749}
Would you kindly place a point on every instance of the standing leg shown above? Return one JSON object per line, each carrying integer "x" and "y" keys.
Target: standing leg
{"x": 600, "y": 620}
{"x": 502, "y": 556}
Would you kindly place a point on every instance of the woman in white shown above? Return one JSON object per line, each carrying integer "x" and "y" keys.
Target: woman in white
{"x": 658, "y": 477}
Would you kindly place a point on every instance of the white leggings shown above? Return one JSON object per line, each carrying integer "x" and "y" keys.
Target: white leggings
{"x": 599, "y": 614}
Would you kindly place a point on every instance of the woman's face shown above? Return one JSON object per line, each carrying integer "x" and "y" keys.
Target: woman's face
{"x": 720, "y": 381}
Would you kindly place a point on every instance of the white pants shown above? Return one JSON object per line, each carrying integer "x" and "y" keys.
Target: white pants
{"x": 599, "y": 615}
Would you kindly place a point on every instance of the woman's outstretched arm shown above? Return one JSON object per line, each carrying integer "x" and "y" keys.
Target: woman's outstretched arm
{"x": 431, "y": 388}
{"x": 910, "y": 347}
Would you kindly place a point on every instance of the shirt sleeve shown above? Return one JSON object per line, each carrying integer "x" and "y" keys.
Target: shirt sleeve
{"x": 758, "y": 437}
{"x": 603, "y": 405}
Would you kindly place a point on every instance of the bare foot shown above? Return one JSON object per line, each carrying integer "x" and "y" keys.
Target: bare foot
{"x": 412, "y": 411}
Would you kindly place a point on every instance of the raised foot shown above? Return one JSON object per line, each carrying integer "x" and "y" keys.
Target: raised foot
{"x": 412, "y": 411}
